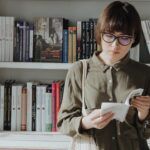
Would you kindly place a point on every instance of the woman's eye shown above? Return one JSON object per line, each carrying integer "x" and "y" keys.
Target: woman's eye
{"x": 109, "y": 36}
{"x": 124, "y": 38}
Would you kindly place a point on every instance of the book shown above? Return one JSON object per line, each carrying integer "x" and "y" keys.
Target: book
{"x": 49, "y": 39}
{"x": 1, "y": 107}
{"x": 24, "y": 109}
{"x": 144, "y": 55}
{"x": 120, "y": 109}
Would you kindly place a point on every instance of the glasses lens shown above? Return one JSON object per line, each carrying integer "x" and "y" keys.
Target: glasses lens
{"x": 124, "y": 40}
{"x": 108, "y": 37}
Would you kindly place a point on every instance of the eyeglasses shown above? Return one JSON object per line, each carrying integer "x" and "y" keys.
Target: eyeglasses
{"x": 122, "y": 39}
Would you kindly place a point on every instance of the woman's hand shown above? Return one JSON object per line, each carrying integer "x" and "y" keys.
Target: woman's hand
{"x": 96, "y": 120}
{"x": 142, "y": 103}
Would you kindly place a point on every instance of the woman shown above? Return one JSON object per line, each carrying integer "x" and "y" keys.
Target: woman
{"x": 111, "y": 76}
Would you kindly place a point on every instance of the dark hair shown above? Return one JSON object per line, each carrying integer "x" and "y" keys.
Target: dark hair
{"x": 120, "y": 17}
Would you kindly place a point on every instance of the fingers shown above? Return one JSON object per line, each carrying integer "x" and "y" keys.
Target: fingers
{"x": 103, "y": 120}
{"x": 96, "y": 120}
{"x": 141, "y": 103}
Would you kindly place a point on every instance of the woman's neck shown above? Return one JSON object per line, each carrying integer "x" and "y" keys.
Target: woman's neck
{"x": 106, "y": 60}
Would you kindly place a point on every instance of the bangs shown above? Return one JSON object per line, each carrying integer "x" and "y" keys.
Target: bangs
{"x": 118, "y": 22}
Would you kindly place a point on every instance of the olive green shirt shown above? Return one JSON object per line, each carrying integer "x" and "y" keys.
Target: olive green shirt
{"x": 105, "y": 84}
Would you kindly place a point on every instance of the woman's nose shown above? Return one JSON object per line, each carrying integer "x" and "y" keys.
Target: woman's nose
{"x": 115, "y": 43}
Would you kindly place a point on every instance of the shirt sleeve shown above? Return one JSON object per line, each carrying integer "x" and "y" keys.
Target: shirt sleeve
{"x": 70, "y": 115}
{"x": 132, "y": 116}
{"x": 144, "y": 126}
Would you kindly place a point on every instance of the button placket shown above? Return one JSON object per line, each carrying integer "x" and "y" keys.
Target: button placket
{"x": 110, "y": 83}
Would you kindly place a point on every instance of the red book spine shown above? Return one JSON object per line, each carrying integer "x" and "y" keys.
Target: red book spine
{"x": 53, "y": 107}
{"x": 57, "y": 100}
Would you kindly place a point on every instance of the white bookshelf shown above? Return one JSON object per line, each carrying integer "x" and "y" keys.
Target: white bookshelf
{"x": 34, "y": 140}
{"x": 23, "y": 71}
{"x": 35, "y": 65}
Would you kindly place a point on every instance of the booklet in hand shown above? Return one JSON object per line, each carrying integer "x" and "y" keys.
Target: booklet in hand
{"x": 120, "y": 109}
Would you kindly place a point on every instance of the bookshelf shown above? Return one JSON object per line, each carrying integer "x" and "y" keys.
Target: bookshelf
{"x": 28, "y": 9}
{"x": 29, "y": 140}
{"x": 35, "y": 65}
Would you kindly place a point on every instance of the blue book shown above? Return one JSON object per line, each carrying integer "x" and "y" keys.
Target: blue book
{"x": 65, "y": 46}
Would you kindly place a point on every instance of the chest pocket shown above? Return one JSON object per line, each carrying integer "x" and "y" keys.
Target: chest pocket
{"x": 95, "y": 94}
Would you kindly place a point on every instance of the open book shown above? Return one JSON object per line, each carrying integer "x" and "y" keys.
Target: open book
{"x": 120, "y": 109}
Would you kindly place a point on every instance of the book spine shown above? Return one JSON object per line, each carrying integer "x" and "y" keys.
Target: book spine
{"x": 6, "y": 105}
{"x": 65, "y": 46}
{"x": 38, "y": 108}
{"x": 27, "y": 43}
{"x": 74, "y": 43}
{"x": 7, "y": 28}
{"x": 29, "y": 104}
{"x": 48, "y": 114}
{"x": 9, "y": 104}
{"x": 11, "y": 46}
{"x": 79, "y": 48}
{"x": 70, "y": 45}
{"x": 87, "y": 43}
{"x": 24, "y": 109}
{"x": 83, "y": 37}
{"x": 19, "y": 95}
{"x": 14, "y": 109}
{"x": 0, "y": 39}
{"x": 3, "y": 38}
{"x": 33, "y": 107}
{"x": 30, "y": 42}
{"x": 43, "y": 99}
{"x": 1, "y": 107}
{"x": 57, "y": 100}
{"x": 53, "y": 106}
{"x": 91, "y": 37}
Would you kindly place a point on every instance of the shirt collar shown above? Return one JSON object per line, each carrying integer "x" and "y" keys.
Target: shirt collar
{"x": 117, "y": 66}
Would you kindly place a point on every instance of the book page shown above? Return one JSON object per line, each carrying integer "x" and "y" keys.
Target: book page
{"x": 120, "y": 109}
{"x": 136, "y": 92}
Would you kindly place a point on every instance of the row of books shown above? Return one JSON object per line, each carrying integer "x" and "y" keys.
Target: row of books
{"x": 32, "y": 106}
{"x": 144, "y": 55}
{"x": 52, "y": 39}
{"x": 46, "y": 39}
{"x": 6, "y": 38}
{"x": 141, "y": 53}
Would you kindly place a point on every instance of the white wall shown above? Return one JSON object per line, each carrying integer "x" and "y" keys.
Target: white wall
{"x": 71, "y": 9}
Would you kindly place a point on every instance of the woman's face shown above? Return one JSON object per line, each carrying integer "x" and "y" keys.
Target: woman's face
{"x": 115, "y": 45}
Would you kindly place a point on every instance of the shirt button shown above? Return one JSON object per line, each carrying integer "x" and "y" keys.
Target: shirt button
{"x": 110, "y": 99}
{"x": 110, "y": 81}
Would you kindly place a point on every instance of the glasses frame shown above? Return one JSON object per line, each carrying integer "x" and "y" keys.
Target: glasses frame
{"x": 117, "y": 37}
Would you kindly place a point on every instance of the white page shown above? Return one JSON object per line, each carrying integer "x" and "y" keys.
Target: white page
{"x": 120, "y": 109}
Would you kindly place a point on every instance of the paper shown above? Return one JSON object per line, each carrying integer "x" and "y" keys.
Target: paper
{"x": 120, "y": 109}
{"x": 136, "y": 92}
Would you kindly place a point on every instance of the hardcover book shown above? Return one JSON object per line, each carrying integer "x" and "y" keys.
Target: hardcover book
{"x": 49, "y": 39}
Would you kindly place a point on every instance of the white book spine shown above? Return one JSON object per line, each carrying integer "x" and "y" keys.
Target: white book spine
{"x": 145, "y": 31}
{"x": 11, "y": 39}
{"x": 13, "y": 109}
{"x": 3, "y": 38}
{"x": 43, "y": 99}
{"x": 38, "y": 109}
{"x": 1, "y": 107}
{"x": 7, "y": 28}
{"x": 19, "y": 93}
{"x": 0, "y": 39}
{"x": 48, "y": 115}
{"x": 31, "y": 43}
{"x": 29, "y": 106}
